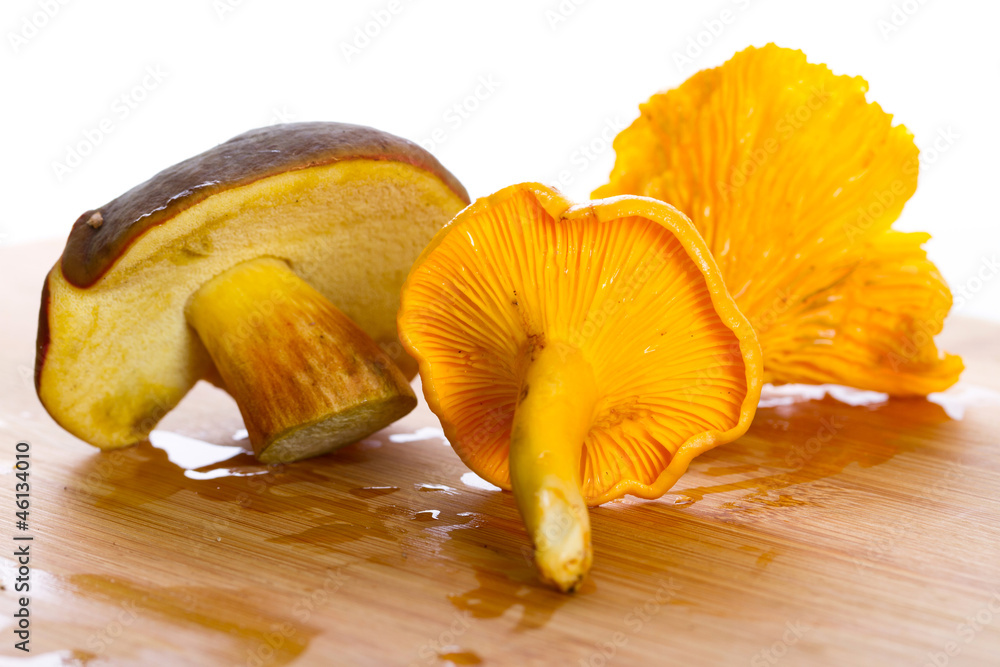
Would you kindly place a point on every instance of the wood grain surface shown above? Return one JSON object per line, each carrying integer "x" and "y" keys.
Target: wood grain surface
{"x": 843, "y": 529}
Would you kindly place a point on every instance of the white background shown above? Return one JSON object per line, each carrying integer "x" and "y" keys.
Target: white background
{"x": 561, "y": 74}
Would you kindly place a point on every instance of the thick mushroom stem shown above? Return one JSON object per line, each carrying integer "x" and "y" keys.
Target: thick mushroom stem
{"x": 551, "y": 422}
{"x": 305, "y": 377}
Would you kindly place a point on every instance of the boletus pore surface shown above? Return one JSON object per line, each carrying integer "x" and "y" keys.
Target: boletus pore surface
{"x": 270, "y": 265}
{"x": 575, "y": 354}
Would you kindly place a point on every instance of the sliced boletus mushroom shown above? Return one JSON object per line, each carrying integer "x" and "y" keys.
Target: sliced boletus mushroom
{"x": 270, "y": 264}
{"x": 575, "y": 354}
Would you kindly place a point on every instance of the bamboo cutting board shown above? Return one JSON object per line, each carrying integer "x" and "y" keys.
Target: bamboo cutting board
{"x": 843, "y": 529}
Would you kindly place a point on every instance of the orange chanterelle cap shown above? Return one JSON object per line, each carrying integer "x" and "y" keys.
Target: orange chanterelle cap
{"x": 577, "y": 353}
{"x": 795, "y": 179}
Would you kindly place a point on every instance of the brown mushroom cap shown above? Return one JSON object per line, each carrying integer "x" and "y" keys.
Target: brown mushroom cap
{"x": 347, "y": 207}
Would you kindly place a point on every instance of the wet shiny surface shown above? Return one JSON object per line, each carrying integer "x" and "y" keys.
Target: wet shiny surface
{"x": 871, "y": 524}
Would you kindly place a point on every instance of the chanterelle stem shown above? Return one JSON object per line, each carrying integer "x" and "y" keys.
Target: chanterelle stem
{"x": 305, "y": 377}
{"x": 551, "y": 422}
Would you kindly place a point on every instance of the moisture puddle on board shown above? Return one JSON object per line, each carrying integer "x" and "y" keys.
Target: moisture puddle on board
{"x": 955, "y": 401}
{"x": 192, "y": 454}
{"x": 960, "y": 398}
{"x": 230, "y": 614}
{"x": 772, "y": 396}
{"x": 473, "y": 480}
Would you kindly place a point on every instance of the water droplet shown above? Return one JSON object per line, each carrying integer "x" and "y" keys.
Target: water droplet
{"x": 430, "y": 488}
{"x": 222, "y": 472}
{"x": 459, "y": 658}
{"x": 427, "y": 515}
